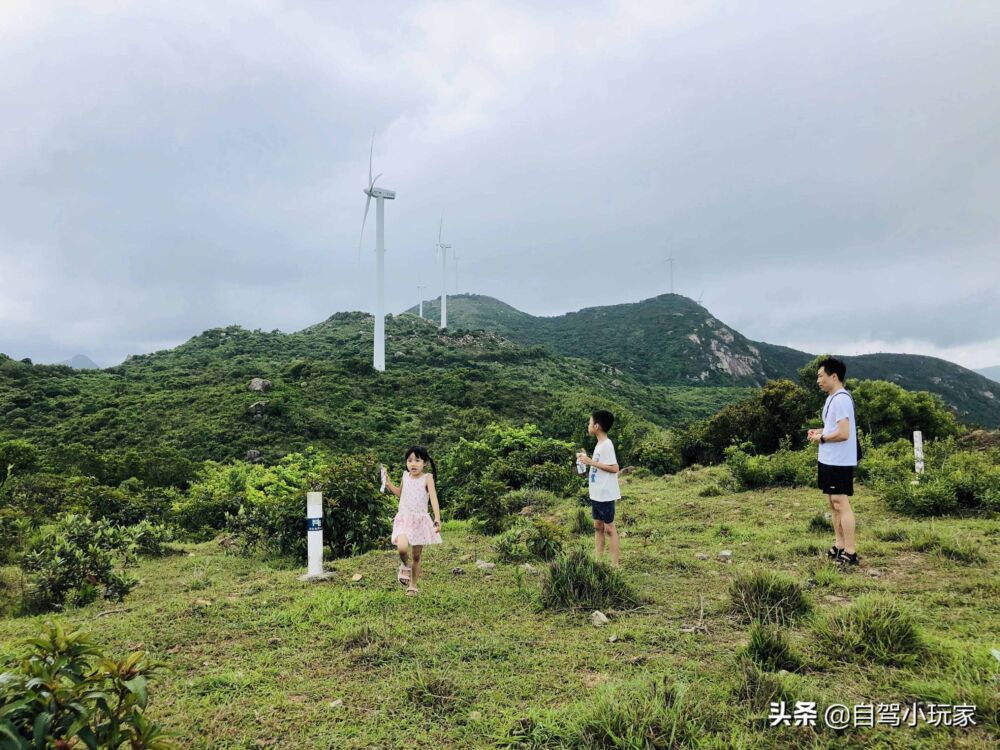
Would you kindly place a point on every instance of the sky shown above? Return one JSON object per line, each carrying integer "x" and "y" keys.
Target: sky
{"x": 825, "y": 175}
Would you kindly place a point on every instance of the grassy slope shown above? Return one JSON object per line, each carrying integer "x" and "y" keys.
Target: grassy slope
{"x": 436, "y": 388}
{"x": 260, "y": 663}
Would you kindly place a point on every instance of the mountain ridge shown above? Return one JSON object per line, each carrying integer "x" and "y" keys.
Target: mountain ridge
{"x": 672, "y": 340}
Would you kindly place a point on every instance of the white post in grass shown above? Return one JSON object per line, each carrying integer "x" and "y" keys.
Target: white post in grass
{"x": 918, "y": 451}
{"x": 314, "y": 529}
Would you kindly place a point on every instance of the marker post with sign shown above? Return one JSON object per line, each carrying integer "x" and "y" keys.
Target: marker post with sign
{"x": 314, "y": 540}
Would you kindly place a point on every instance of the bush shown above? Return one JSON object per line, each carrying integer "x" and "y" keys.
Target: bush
{"x": 963, "y": 483}
{"x": 68, "y": 693}
{"x": 18, "y": 457}
{"x": 785, "y": 468}
{"x": 77, "y": 561}
{"x": 767, "y": 597}
{"x": 873, "y": 630}
{"x": 480, "y": 474}
{"x": 579, "y": 581}
{"x": 539, "y": 540}
{"x": 769, "y": 650}
{"x": 148, "y": 539}
{"x": 271, "y": 517}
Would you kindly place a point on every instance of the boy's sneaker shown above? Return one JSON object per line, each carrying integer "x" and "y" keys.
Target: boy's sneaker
{"x": 848, "y": 558}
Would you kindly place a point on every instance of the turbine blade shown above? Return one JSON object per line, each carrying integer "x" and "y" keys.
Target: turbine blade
{"x": 371, "y": 151}
{"x": 440, "y": 225}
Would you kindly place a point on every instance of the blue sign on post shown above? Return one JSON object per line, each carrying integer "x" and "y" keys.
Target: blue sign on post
{"x": 314, "y": 524}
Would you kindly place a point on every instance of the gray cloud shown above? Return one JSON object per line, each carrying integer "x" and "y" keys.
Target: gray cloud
{"x": 171, "y": 167}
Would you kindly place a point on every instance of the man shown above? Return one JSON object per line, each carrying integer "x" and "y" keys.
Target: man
{"x": 838, "y": 455}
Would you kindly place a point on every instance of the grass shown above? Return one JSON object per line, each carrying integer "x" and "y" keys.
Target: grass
{"x": 476, "y": 662}
{"x": 767, "y": 596}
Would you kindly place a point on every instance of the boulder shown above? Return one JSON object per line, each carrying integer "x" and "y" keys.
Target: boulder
{"x": 598, "y": 619}
{"x": 259, "y": 385}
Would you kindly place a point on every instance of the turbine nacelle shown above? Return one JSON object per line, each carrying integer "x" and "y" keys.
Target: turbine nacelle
{"x": 375, "y": 192}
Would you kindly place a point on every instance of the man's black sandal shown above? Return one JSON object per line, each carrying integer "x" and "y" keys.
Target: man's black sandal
{"x": 834, "y": 552}
{"x": 848, "y": 559}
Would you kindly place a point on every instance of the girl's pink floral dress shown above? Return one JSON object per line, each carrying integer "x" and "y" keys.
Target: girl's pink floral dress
{"x": 413, "y": 519}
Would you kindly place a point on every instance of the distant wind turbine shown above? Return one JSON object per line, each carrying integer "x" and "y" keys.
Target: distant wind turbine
{"x": 380, "y": 195}
{"x": 671, "y": 262}
{"x": 443, "y": 248}
{"x": 420, "y": 296}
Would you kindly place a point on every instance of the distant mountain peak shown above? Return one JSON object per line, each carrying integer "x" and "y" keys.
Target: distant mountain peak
{"x": 81, "y": 362}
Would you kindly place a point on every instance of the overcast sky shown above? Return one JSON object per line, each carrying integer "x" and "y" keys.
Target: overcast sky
{"x": 826, "y": 175}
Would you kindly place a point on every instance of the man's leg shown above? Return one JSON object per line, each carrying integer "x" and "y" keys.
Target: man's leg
{"x": 838, "y": 529}
{"x": 598, "y": 537}
{"x": 843, "y": 511}
{"x": 612, "y": 532}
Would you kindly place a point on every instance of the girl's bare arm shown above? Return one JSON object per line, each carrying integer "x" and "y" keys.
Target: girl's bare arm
{"x": 432, "y": 491}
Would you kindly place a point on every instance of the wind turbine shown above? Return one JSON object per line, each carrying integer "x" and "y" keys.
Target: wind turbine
{"x": 443, "y": 248}
{"x": 420, "y": 296}
{"x": 671, "y": 262}
{"x": 380, "y": 195}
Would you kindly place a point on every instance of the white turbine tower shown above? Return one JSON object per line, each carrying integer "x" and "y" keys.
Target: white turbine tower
{"x": 443, "y": 248}
{"x": 380, "y": 195}
{"x": 420, "y": 296}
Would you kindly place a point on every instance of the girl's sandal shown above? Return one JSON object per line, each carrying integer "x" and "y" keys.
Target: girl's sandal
{"x": 404, "y": 575}
{"x": 412, "y": 591}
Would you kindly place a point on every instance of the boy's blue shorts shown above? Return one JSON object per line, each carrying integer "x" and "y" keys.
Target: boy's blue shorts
{"x": 603, "y": 510}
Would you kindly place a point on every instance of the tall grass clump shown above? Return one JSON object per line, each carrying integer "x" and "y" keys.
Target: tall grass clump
{"x": 769, "y": 649}
{"x": 643, "y": 715}
{"x": 874, "y": 630}
{"x": 820, "y": 524}
{"x": 578, "y": 581}
{"x": 582, "y": 523}
{"x": 953, "y": 549}
{"x": 768, "y": 597}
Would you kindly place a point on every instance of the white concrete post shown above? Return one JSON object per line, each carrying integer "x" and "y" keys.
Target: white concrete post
{"x": 314, "y": 539}
{"x": 918, "y": 451}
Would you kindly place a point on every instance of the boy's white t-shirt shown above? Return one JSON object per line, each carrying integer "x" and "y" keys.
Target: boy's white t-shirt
{"x": 604, "y": 484}
{"x": 839, "y": 406}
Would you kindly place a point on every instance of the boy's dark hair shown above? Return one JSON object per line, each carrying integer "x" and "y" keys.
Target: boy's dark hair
{"x": 833, "y": 366}
{"x": 603, "y": 419}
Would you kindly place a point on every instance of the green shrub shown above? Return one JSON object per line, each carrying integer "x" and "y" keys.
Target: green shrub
{"x": 579, "y": 581}
{"x": 769, "y": 649}
{"x": 149, "y": 539}
{"x": 18, "y": 457}
{"x": 875, "y": 629}
{"x": 479, "y": 474}
{"x": 963, "y": 483}
{"x": 768, "y": 597}
{"x": 544, "y": 540}
{"x": 68, "y": 693}
{"x": 77, "y": 561}
{"x": 785, "y": 468}
{"x": 14, "y": 531}
{"x": 538, "y": 540}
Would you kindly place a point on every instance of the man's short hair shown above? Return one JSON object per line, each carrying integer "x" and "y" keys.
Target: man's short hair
{"x": 833, "y": 366}
{"x": 603, "y": 419}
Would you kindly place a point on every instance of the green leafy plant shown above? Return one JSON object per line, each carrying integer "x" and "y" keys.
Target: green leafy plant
{"x": 66, "y": 693}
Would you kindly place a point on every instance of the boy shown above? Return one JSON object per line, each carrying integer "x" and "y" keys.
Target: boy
{"x": 838, "y": 455}
{"x": 603, "y": 482}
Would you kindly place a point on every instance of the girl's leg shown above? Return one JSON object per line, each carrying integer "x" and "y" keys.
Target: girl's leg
{"x": 403, "y": 547}
{"x": 417, "y": 550}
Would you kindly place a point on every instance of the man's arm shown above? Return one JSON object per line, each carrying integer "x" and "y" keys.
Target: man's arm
{"x": 842, "y": 433}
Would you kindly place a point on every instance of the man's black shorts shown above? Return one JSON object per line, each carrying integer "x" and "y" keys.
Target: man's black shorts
{"x": 836, "y": 480}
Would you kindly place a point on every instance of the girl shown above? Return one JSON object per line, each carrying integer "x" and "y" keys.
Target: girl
{"x": 412, "y": 527}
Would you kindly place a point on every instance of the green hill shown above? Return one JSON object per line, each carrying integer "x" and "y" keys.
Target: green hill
{"x": 671, "y": 340}
{"x": 195, "y": 400}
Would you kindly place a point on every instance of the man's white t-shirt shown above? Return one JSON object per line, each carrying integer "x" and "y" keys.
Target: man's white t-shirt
{"x": 604, "y": 484}
{"x": 839, "y": 406}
